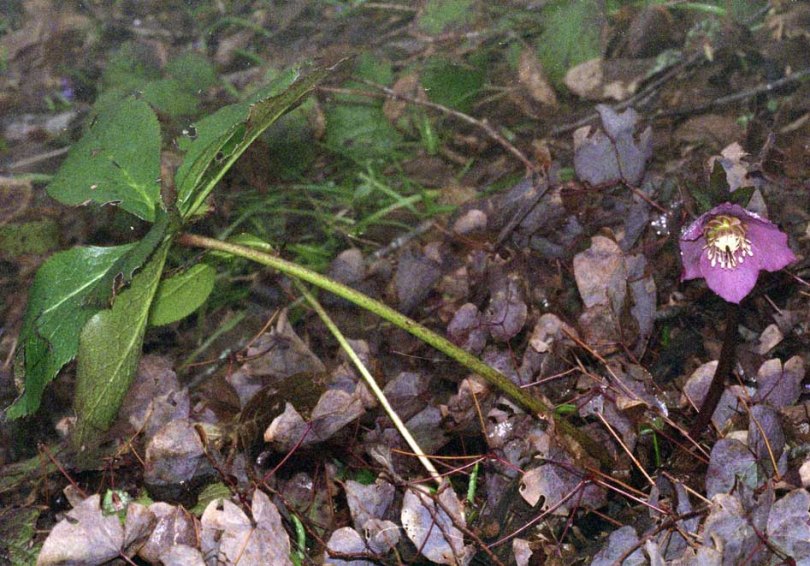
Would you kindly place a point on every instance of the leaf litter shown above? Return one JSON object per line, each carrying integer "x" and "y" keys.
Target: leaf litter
{"x": 568, "y": 287}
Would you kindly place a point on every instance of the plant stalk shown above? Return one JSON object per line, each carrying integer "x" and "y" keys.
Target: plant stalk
{"x": 426, "y": 335}
{"x": 724, "y": 366}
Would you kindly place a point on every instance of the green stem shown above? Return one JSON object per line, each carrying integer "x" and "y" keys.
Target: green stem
{"x": 424, "y": 334}
{"x": 370, "y": 382}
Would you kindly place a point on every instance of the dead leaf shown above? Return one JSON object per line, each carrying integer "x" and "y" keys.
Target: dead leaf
{"x": 557, "y": 483}
{"x": 533, "y": 79}
{"x": 174, "y": 526}
{"x": 467, "y": 329}
{"x": 381, "y": 536}
{"x": 601, "y": 79}
{"x": 769, "y": 339}
{"x": 368, "y": 501}
{"x": 414, "y": 279}
{"x": 155, "y": 397}
{"x": 507, "y": 311}
{"x": 181, "y": 555}
{"x": 233, "y": 538}
{"x": 780, "y": 386}
{"x": 84, "y": 536}
{"x": 275, "y": 356}
{"x": 346, "y": 541}
{"x": 432, "y": 530}
{"x": 175, "y": 454}
{"x": 613, "y": 153}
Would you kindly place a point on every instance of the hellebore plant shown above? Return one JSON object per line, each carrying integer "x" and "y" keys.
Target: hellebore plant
{"x": 728, "y": 246}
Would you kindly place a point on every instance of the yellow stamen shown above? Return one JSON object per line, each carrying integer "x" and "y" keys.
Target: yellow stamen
{"x": 726, "y": 243}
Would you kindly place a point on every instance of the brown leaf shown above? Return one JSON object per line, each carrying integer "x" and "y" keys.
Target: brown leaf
{"x": 155, "y": 397}
{"x": 432, "y": 530}
{"x": 233, "y": 538}
{"x": 175, "y": 454}
{"x": 533, "y": 79}
{"x": 84, "y": 536}
{"x": 368, "y": 501}
{"x": 175, "y": 526}
{"x": 381, "y": 536}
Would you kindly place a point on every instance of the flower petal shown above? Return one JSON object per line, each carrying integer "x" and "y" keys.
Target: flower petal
{"x": 769, "y": 245}
{"x": 733, "y": 285}
{"x": 690, "y": 258}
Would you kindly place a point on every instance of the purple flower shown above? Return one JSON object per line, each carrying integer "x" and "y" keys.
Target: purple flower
{"x": 728, "y": 246}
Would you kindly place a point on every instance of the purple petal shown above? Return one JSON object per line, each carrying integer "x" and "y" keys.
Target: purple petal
{"x": 695, "y": 229}
{"x": 732, "y": 285}
{"x": 690, "y": 258}
{"x": 769, "y": 245}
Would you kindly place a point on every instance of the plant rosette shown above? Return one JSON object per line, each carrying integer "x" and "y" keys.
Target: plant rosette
{"x": 728, "y": 246}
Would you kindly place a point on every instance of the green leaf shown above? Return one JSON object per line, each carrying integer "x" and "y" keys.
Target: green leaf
{"x": 57, "y": 310}
{"x": 18, "y": 528}
{"x": 116, "y": 161}
{"x": 438, "y": 15}
{"x": 121, "y": 272}
{"x": 182, "y": 294}
{"x": 130, "y": 68}
{"x": 360, "y": 131}
{"x": 109, "y": 350}
{"x": 451, "y": 84}
{"x": 220, "y": 139}
{"x": 571, "y": 36}
{"x": 193, "y": 70}
{"x": 170, "y": 97}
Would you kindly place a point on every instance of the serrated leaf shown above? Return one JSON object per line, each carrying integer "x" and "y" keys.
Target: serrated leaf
{"x": 109, "y": 350}
{"x": 223, "y": 137}
{"x": 182, "y": 294}
{"x": 116, "y": 161}
{"x": 57, "y": 310}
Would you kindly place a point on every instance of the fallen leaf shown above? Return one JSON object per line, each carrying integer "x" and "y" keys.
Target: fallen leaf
{"x": 175, "y": 454}
{"x": 780, "y": 386}
{"x": 414, "y": 279}
{"x": 84, "y": 536}
{"x": 619, "y": 543}
{"x": 233, "y": 538}
{"x": 533, "y": 79}
{"x": 730, "y": 461}
{"x": 181, "y": 555}
{"x": 467, "y": 329}
{"x": 557, "y": 484}
{"x": 728, "y": 530}
{"x": 175, "y": 526}
{"x": 346, "y": 541}
{"x": 368, "y": 501}
{"x": 432, "y": 530}
{"x": 789, "y": 525}
{"x": 614, "y": 153}
{"x": 507, "y": 311}
{"x": 381, "y": 536}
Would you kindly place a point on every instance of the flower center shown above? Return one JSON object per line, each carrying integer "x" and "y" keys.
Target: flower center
{"x": 726, "y": 243}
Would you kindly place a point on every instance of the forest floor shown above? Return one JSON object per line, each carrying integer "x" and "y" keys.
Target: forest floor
{"x": 515, "y": 176}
